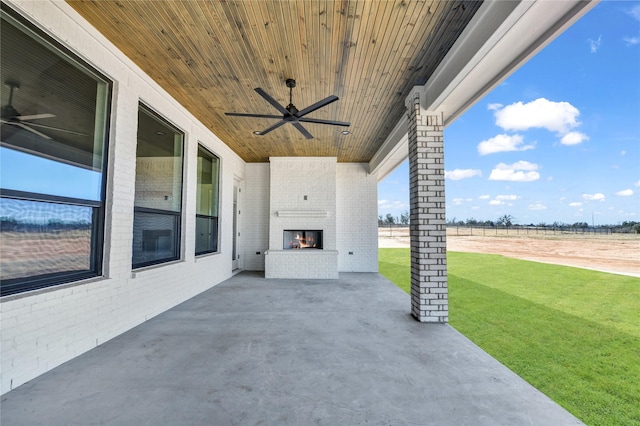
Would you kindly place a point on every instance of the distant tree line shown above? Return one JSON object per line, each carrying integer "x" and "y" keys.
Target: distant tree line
{"x": 9, "y": 224}
{"x": 389, "y": 219}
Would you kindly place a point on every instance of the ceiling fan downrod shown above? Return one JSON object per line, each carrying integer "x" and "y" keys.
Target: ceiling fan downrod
{"x": 291, "y": 83}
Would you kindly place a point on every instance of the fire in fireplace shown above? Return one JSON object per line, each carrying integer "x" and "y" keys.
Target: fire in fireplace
{"x": 302, "y": 240}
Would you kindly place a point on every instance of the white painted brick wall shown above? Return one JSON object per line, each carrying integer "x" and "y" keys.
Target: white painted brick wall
{"x": 305, "y": 264}
{"x": 429, "y": 282}
{"x": 357, "y": 218}
{"x": 302, "y": 184}
{"x": 256, "y": 216}
{"x": 156, "y": 187}
{"x": 43, "y": 329}
{"x": 293, "y": 178}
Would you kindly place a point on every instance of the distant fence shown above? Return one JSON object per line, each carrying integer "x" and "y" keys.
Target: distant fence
{"x": 394, "y": 230}
{"x": 400, "y": 230}
{"x": 533, "y": 230}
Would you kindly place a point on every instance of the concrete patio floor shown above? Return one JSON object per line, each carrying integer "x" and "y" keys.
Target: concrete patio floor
{"x": 253, "y": 351}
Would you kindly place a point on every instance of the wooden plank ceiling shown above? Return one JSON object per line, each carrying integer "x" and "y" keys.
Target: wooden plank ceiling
{"x": 210, "y": 55}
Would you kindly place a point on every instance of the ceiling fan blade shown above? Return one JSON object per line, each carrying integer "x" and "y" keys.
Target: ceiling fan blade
{"x": 240, "y": 114}
{"x": 318, "y": 121}
{"x": 317, "y": 105}
{"x": 302, "y": 130}
{"x": 57, "y": 129}
{"x": 25, "y": 127}
{"x": 275, "y": 126}
{"x": 272, "y": 101}
{"x": 34, "y": 117}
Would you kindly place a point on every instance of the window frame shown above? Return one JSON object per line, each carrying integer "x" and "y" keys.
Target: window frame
{"x": 201, "y": 216}
{"x": 177, "y": 215}
{"x": 17, "y": 286}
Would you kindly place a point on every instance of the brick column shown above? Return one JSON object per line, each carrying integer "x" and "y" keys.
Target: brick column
{"x": 429, "y": 293}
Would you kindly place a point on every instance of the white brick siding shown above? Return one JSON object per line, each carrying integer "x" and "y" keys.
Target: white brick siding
{"x": 357, "y": 218}
{"x": 429, "y": 288}
{"x": 256, "y": 216}
{"x": 45, "y": 328}
{"x": 306, "y": 264}
{"x": 303, "y": 184}
{"x": 302, "y": 187}
{"x": 345, "y": 192}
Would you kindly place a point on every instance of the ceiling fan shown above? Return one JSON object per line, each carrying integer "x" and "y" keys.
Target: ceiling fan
{"x": 291, "y": 114}
{"x": 9, "y": 115}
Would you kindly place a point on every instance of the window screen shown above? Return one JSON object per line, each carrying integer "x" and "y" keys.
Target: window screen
{"x": 207, "y": 202}
{"x": 158, "y": 197}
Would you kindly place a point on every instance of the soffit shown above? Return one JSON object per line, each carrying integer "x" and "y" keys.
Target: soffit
{"x": 210, "y": 55}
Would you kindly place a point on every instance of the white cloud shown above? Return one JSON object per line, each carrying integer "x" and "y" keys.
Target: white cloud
{"x": 503, "y": 143}
{"x": 625, "y": 193}
{"x": 623, "y": 153}
{"x": 593, "y": 197}
{"x": 635, "y": 12}
{"x": 386, "y": 204}
{"x": 631, "y": 41}
{"x": 525, "y": 165}
{"x": 458, "y": 174}
{"x": 559, "y": 117}
{"x": 594, "y": 45}
{"x": 537, "y": 206}
{"x": 501, "y": 200}
{"x": 637, "y": 183}
{"x": 494, "y": 107}
{"x": 574, "y": 138}
{"x": 457, "y": 201}
{"x": 522, "y": 171}
{"x": 575, "y": 204}
{"x": 486, "y": 197}
{"x": 507, "y": 197}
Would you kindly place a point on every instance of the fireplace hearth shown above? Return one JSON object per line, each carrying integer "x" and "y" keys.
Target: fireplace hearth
{"x": 299, "y": 239}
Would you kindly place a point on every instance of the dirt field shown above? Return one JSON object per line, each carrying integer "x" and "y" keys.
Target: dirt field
{"x": 617, "y": 253}
{"x": 26, "y": 254}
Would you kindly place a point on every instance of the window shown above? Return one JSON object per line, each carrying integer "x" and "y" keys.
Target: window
{"x": 207, "y": 202}
{"x": 158, "y": 198}
{"x": 53, "y": 145}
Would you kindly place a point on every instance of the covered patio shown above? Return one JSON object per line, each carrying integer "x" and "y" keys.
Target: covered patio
{"x": 198, "y": 171}
{"x": 285, "y": 352}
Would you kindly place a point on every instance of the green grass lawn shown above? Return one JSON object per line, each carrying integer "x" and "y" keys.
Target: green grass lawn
{"x": 572, "y": 333}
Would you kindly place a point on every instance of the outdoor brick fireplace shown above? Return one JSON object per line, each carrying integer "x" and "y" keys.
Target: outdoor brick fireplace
{"x": 300, "y": 240}
{"x": 302, "y": 222}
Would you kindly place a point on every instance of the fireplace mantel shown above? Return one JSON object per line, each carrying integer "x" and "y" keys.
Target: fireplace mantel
{"x": 303, "y": 213}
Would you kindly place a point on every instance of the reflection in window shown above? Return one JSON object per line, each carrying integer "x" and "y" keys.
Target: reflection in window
{"x": 41, "y": 238}
{"x": 207, "y": 202}
{"x": 32, "y": 173}
{"x": 52, "y": 160}
{"x": 158, "y": 199}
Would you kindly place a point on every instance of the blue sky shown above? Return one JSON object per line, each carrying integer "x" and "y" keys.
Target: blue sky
{"x": 559, "y": 140}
